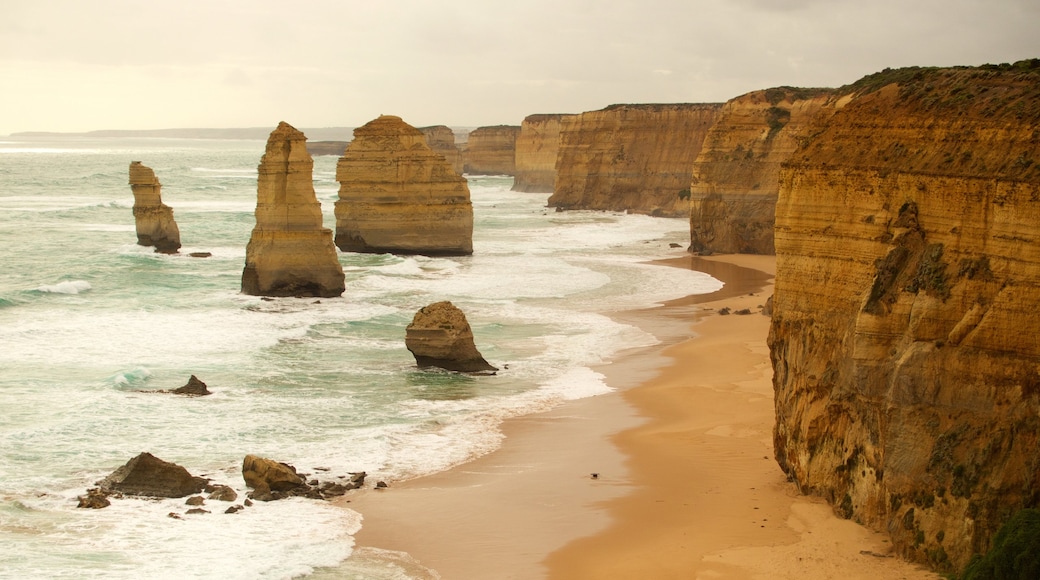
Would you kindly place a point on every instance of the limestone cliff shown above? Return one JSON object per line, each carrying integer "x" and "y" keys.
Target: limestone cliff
{"x": 153, "y": 219}
{"x": 537, "y": 146}
{"x": 397, "y": 195}
{"x": 636, "y": 158}
{"x": 441, "y": 139}
{"x": 736, "y": 176}
{"x": 289, "y": 252}
{"x": 905, "y": 329}
{"x": 491, "y": 150}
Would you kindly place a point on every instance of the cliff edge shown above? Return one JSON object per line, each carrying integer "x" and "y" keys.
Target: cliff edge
{"x": 537, "y": 147}
{"x": 737, "y": 174}
{"x": 636, "y": 158}
{"x": 904, "y": 338}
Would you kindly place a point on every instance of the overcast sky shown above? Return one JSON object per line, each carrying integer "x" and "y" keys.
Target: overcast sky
{"x": 77, "y": 65}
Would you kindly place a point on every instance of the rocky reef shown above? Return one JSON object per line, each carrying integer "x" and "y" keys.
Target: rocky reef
{"x": 636, "y": 158}
{"x": 537, "y": 147}
{"x": 441, "y": 139}
{"x": 491, "y": 150}
{"x": 904, "y": 332}
{"x": 736, "y": 176}
{"x": 440, "y": 336}
{"x": 397, "y": 195}
{"x": 289, "y": 252}
{"x": 154, "y": 219}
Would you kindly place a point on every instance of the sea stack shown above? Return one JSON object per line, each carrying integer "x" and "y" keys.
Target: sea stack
{"x": 440, "y": 336}
{"x": 289, "y": 252}
{"x": 537, "y": 147}
{"x": 441, "y": 139}
{"x": 396, "y": 195}
{"x": 155, "y": 225}
{"x": 491, "y": 150}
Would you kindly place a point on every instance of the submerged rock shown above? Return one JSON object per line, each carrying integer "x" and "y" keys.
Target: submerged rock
{"x": 194, "y": 388}
{"x": 440, "y": 336}
{"x": 154, "y": 220}
{"x": 147, "y": 475}
{"x": 289, "y": 252}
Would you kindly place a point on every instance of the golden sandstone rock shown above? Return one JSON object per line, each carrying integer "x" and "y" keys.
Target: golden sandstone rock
{"x": 636, "y": 158}
{"x": 491, "y": 150}
{"x": 289, "y": 252}
{"x": 440, "y": 336}
{"x": 905, "y": 327}
{"x": 397, "y": 195}
{"x": 537, "y": 147}
{"x": 441, "y": 139}
{"x": 736, "y": 176}
{"x": 153, "y": 219}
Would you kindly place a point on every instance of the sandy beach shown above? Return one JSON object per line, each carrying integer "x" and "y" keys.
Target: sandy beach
{"x": 669, "y": 476}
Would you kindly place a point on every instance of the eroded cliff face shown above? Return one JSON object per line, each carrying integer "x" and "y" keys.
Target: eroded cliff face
{"x": 441, "y": 139}
{"x": 397, "y": 195}
{"x": 736, "y": 176}
{"x": 289, "y": 252}
{"x": 152, "y": 218}
{"x": 636, "y": 158}
{"x": 537, "y": 147}
{"x": 905, "y": 337}
{"x": 491, "y": 150}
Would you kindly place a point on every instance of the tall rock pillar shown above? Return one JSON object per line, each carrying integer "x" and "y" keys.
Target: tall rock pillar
{"x": 289, "y": 252}
{"x": 154, "y": 220}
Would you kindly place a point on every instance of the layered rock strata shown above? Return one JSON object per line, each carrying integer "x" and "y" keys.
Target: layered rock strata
{"x": 736, "y": 175}
{"x": 636, "y": 158}
{"x": 289, "y": 252}
{"x": 537, "y": 147}
{"x": 441, "y": 139}
{"x": 440, "y": 336}
{"x": 153, "y": 219}
{"x": 491, "y": 150}
{"x": 397, "y": 195}
{"x": 904, "y": 332}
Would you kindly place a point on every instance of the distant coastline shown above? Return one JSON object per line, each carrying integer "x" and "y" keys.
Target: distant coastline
{"x": 260, "y": 133}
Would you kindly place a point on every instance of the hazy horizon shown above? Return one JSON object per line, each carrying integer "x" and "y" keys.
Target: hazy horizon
{"x": 123, "y": 65}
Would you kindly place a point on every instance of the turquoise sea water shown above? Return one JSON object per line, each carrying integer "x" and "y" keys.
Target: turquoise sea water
{"x": 89, "y": 322}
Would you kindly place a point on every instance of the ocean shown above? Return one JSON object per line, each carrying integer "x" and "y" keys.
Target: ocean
{"x": 91, "y": 323}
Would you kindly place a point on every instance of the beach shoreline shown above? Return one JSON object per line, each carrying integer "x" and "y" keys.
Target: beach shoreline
{"x": 670, "y": 475}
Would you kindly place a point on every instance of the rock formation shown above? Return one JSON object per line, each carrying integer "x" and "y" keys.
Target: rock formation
{"x": 491, "y": 150}
{"x": 736, "y": 176}
{"x": 397, "y": 195}
{"x": 537, "y": 147}
{"x": 904, "y": 330}
{"x": 155, "y": 225}
{"x": 441, "y": 139}
{"x": 147, "y": 475}
{"x": 440, "y": 336}
{"x": 636, "y": 158}
{"x": 289, "y": 252}
{"x": 266, "y": 476}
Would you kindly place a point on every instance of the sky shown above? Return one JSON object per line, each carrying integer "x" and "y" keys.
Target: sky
{"x": 77, "y": 65}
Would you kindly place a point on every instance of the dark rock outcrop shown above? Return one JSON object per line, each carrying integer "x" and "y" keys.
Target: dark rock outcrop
{"x": 440, "y": 336}
{"x": 268, "y": 477}
{"x": 289, "y": 252}
{"x": 153, "y": 219}
{"x": 147, "y": 475}
{"x": 194, "y": 388}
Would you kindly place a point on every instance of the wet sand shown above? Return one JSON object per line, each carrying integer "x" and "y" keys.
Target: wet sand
{"x": 669, "y": 476}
